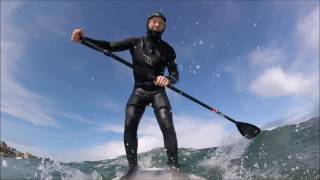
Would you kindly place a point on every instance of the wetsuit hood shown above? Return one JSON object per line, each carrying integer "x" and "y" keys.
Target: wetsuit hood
{"x": 154, "y": 35}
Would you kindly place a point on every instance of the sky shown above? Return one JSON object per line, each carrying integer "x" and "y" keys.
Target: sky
{"x": 256, "y": 61}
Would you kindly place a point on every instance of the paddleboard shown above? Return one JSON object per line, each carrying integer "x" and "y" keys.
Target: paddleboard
{"x": 158, "y": 174}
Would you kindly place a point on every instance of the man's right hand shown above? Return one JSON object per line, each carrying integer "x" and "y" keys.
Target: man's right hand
{"x": 76, "y": 35}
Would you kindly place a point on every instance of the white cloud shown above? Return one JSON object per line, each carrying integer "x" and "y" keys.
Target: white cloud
{"x": 199, "y": 133}
{"x": 295, "y": 115}
{"x": 266, "y": 56}
{"x": 78, "y": 118}
{"x": 297, "y": 76}
{"x": 112, "y": 105}
{"x": 112, "y": 128}
{"x": 121, "y": 71}
{"x": 150, "y": 134}
{"x": 191, "y": 132}
{"x": 306, "y": 36}
{"x": 274, "y": 82}
{"x": 9, "y": 7}
{"x": 13, "y": 44}
{"x": 52, "y": 23}
{"x": 24, "y": 104}
{"x": 108, "y": 150}
{"x": 307, "y": 30}
{"x": 16, "y": 100}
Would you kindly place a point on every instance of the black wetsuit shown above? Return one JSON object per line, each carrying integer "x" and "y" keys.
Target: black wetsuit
{"x": 150, "y": 56}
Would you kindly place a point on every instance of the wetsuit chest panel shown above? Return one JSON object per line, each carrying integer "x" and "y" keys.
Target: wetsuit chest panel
{"x": 147, "y": 57}
{"x": 147, "y": 62}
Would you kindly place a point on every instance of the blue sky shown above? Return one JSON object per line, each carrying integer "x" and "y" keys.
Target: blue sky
{"x": 255, "y": 61}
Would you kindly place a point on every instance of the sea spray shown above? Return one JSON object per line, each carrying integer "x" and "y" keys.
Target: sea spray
{"x": 280, "y": 153}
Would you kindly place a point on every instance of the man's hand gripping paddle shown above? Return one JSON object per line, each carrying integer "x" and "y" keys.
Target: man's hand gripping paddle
{"x": 247, "y": 130}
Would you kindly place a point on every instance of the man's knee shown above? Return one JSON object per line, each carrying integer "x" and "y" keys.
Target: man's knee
{"x": 133, "y": 115}
{"x": 164, "y": 116}
{"x": 164, "y": 112}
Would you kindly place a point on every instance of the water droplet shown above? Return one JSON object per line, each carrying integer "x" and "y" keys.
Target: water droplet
{"x": 254, "y": 24}
{"x": 200, "y": 42}
{"x": 198, "y": 66}
{"x": 265, "y": 165}
{"x": 4, "y": 163}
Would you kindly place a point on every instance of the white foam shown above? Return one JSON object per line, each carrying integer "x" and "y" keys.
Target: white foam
{"x": 48, "y": 167}
{"x": 233, "y": 147}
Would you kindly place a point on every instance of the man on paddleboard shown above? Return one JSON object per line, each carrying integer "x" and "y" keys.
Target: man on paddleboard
{"x": 150, "y": 56}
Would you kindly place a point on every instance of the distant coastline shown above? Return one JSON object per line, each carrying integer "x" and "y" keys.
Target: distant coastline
{"x": 8, "y": 151}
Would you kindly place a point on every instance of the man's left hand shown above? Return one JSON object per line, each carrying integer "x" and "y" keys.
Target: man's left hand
{"x": 161, "y": 81}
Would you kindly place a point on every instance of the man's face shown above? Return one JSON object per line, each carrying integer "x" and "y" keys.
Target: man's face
{"x": 156, "y": 24}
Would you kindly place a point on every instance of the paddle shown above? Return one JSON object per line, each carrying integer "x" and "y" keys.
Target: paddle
{"x": 247, "y": 130}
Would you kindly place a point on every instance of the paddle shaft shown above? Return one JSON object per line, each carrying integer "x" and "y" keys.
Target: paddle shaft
{"x": 123, "y": 61}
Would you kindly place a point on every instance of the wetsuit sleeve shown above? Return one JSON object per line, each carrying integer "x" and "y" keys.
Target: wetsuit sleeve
{"x": 172, "y": 68}
{"x": 113, "y": 46}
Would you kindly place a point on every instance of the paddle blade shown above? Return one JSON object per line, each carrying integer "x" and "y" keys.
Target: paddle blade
{"x": 248, "y": 130}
